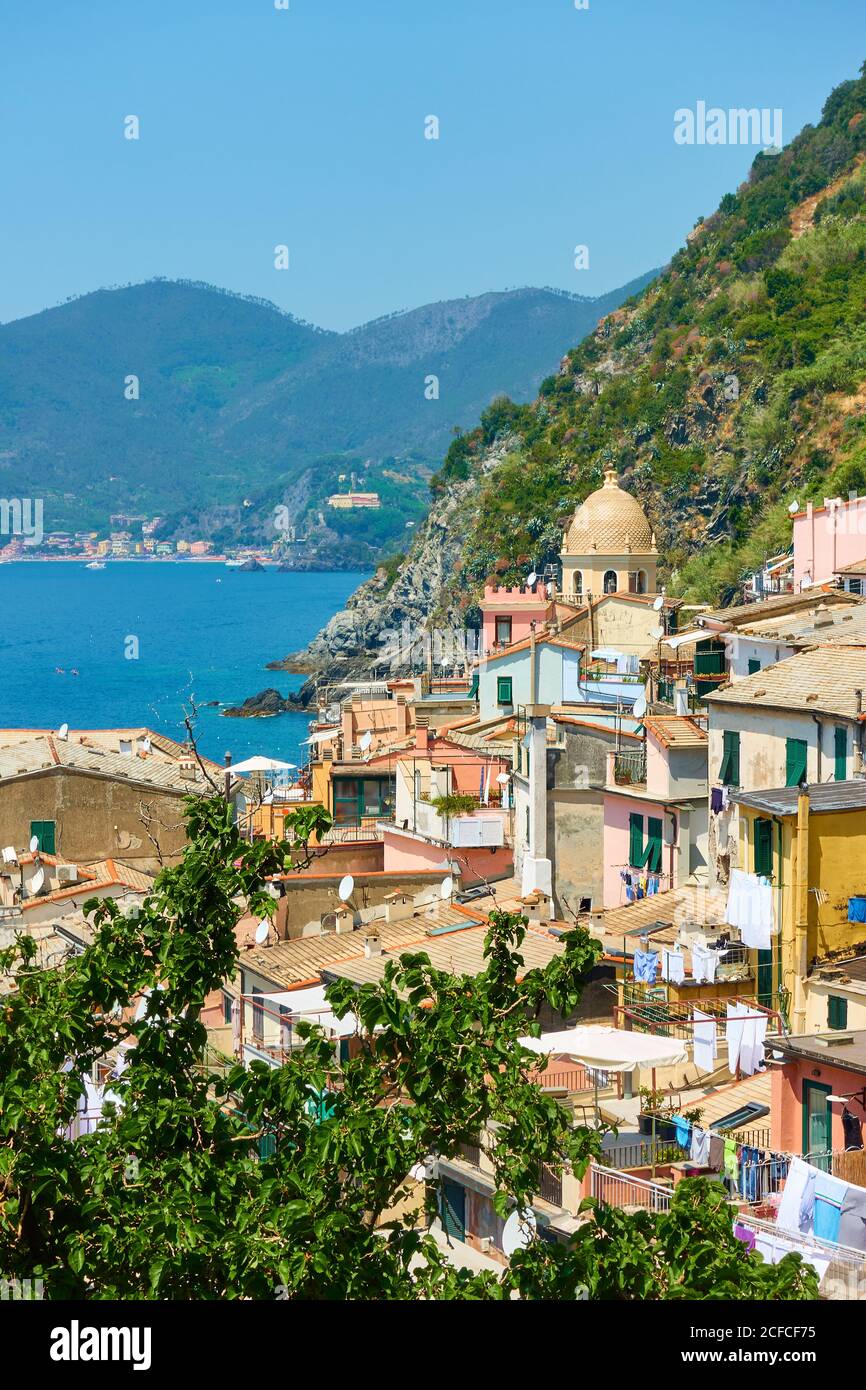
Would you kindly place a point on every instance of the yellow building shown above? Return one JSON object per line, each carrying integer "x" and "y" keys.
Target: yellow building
{"x": 609, "y": 546}
{"x": 812, "y": 846}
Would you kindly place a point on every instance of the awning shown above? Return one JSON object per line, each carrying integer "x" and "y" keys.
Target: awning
{"x": 322, "y": 735}
{"x": 606, "y": 654}
{"x": 609, "y": 1049}
{"x": 682, "y": 639}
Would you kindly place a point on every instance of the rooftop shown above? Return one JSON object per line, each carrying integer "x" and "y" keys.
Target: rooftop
{"x": 842, "y": 1049}
{"x": 610, "y": 522}
{"x": 777, "y": 606}
{"x": 822, "y": 679}
{"x": 46, "y": 753}
{"x": 676, "y": 730}
{"x": 824, "y": 797}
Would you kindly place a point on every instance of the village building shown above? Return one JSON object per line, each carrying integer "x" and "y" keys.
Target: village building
{"x": 83, "y": 801}
{"x": 655, "y": 811}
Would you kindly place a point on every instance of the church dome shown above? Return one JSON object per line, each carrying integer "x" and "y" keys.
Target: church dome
{"x": 609, "y": 522}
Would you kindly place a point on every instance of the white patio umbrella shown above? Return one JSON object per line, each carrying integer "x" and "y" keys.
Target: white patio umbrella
{"x": 258, "y": 764}
{"x": 609, "y": 1049}
{"x": 612, "y": 1050}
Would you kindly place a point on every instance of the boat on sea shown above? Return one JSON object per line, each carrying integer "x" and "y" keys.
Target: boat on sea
{"x": 95, "y": 565}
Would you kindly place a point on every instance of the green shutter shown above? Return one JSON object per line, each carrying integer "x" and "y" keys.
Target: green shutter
{"x": 840, "y": 749}
{"x": 729, "y": 772}
{"x": 837, "y": 1012}
{"x": 653, "y": 858}
{"x": 44, "y": 832}
{"x": 795, "y": 761}
{"x": 635, "y": 845}
{"x": 754, "y": 665}
{"x": 765, "y": 978}
{"x": 503, "y": 690}
{"x": 764, "y": 847}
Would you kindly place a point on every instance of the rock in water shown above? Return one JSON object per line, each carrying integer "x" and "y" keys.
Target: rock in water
{"x": 261, "y": 706}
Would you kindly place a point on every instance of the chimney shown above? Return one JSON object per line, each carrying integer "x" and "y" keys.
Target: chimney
{"x": 422, "y": 733}
{"x": 372, "y": 945}
{"x": 343, "y": 920}
{"x": 681, "y": 700}
{"x": 398, "y": 906}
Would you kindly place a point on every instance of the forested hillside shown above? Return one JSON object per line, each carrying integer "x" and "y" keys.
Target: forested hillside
{"x": 733, "y": 384}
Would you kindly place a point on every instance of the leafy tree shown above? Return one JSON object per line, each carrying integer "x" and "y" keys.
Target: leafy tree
{"x": 170, "y": 1197}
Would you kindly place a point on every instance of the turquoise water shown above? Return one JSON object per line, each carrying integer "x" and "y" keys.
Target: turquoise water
{"x": 201, "y": 629}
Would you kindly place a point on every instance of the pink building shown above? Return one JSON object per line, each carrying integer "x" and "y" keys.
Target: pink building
{"x": 803, "y": 1118}
{"x": 655, "y": 812}
{"x": 509, "y": 613}
{"x": 827, "y": 539}
{"x": 477, "y": 842}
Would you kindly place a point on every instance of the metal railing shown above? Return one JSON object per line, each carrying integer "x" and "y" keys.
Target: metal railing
{"x": 365, "y": 828}
{"x": 845, "y": 1275}
{"x": 629, "y": 768}
{"x": 550, "y": 1185}
{"x": 618, "y": 1189}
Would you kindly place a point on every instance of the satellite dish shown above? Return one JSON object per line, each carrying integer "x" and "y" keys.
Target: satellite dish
{"x": 659, "y": 603}
{"x": 530, "y": 579}
{"x": 518, "y": 1231}
{"x": 658, "y": 633}
{"x": 446, "y": 887}
{"x": 502, "y": 778}
{"x": 63, "y": 731}
{"x": 346, "y": 888}
{"x": 262, "y": 931}
{"x": 793, "y": 508}
{"x": 639, "y": 707}
{"x": 365, "y": 740}
{"x": 37, "y": 883}
{"x": 34, "y": 843}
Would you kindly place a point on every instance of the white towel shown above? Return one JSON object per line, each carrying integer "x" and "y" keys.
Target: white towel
{"x": 734, "y": 1035}
{"x": 673, "y": 966}
{"x": 705, "y": 1041}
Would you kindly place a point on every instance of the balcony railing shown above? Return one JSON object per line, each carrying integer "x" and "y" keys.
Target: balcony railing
{"x": 550, "y": 1185}
{"x": 629, "y": 769}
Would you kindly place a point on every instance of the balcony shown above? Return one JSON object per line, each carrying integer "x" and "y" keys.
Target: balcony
{"x": 487, "y": 827}
{"x": 629, "y": 768}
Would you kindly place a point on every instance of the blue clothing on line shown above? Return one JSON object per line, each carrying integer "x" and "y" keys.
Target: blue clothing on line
{"x": 829, "y": 1195}
{"x": 646, "y": 966}
{"x": 683, "y": 1131}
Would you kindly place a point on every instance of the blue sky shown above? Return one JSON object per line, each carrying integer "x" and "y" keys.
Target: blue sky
{"x": 306, "y": 127}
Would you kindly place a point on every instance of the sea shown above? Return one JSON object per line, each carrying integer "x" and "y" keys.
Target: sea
{"x": 135, "y": 643}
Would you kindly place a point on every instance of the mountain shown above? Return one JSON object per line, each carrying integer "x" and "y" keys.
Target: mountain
{"x": 242, "y": 407}
{"x": 732, "y": 385}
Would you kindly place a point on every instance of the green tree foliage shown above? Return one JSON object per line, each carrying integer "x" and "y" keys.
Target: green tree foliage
{"x": 170, "y": 1197}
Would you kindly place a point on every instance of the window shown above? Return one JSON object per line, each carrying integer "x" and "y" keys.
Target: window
{"x": 258, "y": 1015}
{"x": 503, "y": 690}
{"x": 503, "y": 632}
{"x": 227, "y": 1007}
{"x": 729, "y": 772}
{"x": 840, "y": 750}
{"x": 837, "y": 1011}
{"x": 854, "y": 586}
{"x": 795, "y": 761}
{"x": 649, "y": 855}
{"x": 637, "y": 581}
{"x": 44, "y": 832}
{"x": 754, "y": 665}
{"x": 355, "y": 797}
{"x": 609, "y": 584}
{"x": 578, "y": 581}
